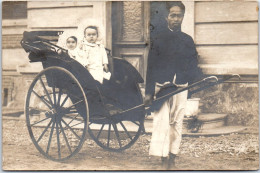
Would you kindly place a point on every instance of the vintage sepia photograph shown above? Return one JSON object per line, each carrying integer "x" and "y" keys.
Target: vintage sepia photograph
{"x": 130, "y": 85}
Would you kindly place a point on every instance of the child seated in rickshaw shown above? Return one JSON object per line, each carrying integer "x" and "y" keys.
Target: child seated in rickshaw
{"x": 89, "y": 52}
{"x": 68, "y": 40}
{"x": 93, "y": 54}
{"x": 73, "y": 50}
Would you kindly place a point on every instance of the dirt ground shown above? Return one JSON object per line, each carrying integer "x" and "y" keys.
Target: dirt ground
{"x": 229, "y": 152}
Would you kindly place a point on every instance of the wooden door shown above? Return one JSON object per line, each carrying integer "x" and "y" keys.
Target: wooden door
{"x": 130, "y": 32}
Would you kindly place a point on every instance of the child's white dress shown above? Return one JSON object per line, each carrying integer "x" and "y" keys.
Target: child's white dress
{"x": 74, "y": 53}
{"x": 94, "y": 56}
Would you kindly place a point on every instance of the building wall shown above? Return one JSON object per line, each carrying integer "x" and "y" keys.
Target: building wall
{"x": 238, "y": 100}
{"x": 12, "y": 52}
{"x": 8, "y": 86}
{"x": 14, "y": 22}
{"x": 44, "y": 16}
{"x": 226, "y": 35}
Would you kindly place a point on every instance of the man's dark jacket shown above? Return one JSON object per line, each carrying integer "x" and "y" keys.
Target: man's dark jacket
{"x": 171, "y": 53}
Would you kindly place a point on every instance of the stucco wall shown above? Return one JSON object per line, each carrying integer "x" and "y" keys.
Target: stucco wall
{"x": 238, "y": 100}
{"x": 226, "y": 35}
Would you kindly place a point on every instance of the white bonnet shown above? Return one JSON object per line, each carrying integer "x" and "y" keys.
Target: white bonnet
{"x": 65, "y": 35}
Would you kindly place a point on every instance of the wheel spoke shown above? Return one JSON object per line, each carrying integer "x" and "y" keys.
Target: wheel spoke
{"x": 59, "y": 96}
{"x": 39, "y": 121}
{"x": 64, "y": 101}
{"x": 43, "y": 100}
{"x": 72, "y": 111}
{"x": 128, "y": 134}
{"x": 108, "y": 137}
{"x": 71, "y": 129}
{"x": 66, "y": 140}
{"x": 58, "y": 140}
{"x": 135, "y": 123}
{"x": 117, "y": 135}
{"x": 45, "y": 90}
{"x": 46, "y": 128}
{"x": 76, "y": 124}
{"x": 37, "y": 109}
{"x": 76, "y": 97}
{"x": 72, "y": 119}
{"x": 54, "y": 95}
{"x": 68, "y": 108}
{"x": 53, "y": 89}
{"x": 125, "y": 136}
{"x": 49, "y": 142}
{"x": 100, "y": 130}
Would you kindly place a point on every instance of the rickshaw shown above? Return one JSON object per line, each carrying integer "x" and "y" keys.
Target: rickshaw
{"x": 64, "y": 102}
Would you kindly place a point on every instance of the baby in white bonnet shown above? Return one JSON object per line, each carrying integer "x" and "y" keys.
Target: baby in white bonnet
{"x": 69, "y": 41}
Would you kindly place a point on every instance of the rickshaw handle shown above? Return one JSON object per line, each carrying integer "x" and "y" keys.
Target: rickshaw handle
{"x": 207, "y": 79}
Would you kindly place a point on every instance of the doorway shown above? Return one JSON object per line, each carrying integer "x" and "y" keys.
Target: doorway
{"x": 130, "y": 32}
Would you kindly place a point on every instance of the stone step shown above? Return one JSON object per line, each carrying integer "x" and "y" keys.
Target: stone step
{"x": 197, "y": 123}
{"x": 211, "y": 120}
{"x": 202, "y": 132}
{"x": 224, "y": 130}
{"x": 15, "y": 112}
{"x": 211, "y": 117}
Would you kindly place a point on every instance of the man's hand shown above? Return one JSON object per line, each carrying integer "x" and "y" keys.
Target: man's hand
{"x": 148, "y": 100}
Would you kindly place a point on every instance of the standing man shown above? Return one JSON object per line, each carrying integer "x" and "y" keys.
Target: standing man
{"x": 172, "y": 58}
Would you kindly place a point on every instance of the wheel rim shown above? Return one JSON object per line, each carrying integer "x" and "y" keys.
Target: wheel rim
{"x": 114, "y": 133}
{"x": 56, "y": 113}
{"x": 116, "y": 136}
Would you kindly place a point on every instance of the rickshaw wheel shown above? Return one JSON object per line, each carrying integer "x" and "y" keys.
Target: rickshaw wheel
{"x": 104, "y": 135}
{"x": 117, "y": 135}
{"x": 57, "y": 113}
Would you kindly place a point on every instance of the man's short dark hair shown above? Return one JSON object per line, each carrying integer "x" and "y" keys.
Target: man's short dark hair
{"x": 170, "y": 4}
